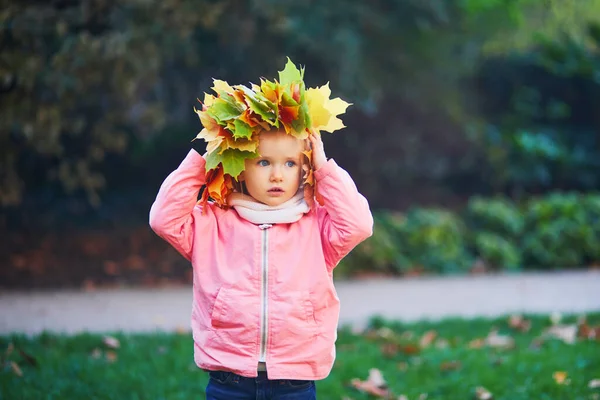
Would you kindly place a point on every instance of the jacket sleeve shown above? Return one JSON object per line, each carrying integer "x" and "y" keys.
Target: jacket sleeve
{"x": 174, "y": 214}
{"x": 345, "y": 218}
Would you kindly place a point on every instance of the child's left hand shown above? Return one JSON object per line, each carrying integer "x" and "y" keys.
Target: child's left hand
{"x": 318, "y": 152}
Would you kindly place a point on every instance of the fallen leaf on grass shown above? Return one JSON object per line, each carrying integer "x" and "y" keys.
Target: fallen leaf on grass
{"x": 450, "y": 365}
{"x": 9, "y": 349}
{"x": 586, "y": 331}
{"x": 519, "y": 323}
{"x": 96, "y": 353}
{"x": 560, "y": 377}
{"x": 482, "y": 393}
{"x": 594, "y": 384}
{"x": 476, "y": 343}
{"x": 15, "y": 368}
{"x": 566, "y": 333}
{"x": 374, "y": 385}
{"x": 499, "y": 341}
{"x": 427, "y": 338}
{"x": 111, "y": 356}
{"x": 391, "y": 349}
{"x": 403, "y": 397}
{"x": 111, "y": 342}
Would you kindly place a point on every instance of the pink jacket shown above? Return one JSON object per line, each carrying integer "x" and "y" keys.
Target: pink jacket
{"x": 263, "y": 293}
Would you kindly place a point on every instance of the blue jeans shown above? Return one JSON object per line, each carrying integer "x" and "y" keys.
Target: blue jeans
{"x": 229, "y": 386}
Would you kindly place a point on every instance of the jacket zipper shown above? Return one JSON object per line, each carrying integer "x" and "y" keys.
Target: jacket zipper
{"x": 264, "y": 286}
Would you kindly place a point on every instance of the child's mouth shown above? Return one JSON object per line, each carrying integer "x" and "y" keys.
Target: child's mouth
{"x": 275, "y": 191}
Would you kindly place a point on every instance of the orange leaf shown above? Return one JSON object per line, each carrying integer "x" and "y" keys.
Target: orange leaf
{"x": 560, "y": 377}
{"x": 427, "y": 338}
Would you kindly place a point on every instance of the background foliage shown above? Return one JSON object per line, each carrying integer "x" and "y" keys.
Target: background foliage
{"x": 453, "y": 100}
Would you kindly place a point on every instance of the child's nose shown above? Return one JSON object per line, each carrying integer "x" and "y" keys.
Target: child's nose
{"x": 276, "y": 174}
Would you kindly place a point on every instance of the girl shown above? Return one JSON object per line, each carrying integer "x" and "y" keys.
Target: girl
{"x": 265, "y": 310}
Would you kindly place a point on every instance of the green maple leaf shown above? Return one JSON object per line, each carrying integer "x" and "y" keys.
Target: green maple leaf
{"x": 233, "y": 160}
{"x": 242, "y": 130}
{"x": 290, "y": 73}
{"x": 223, "y": 110}
{"x": 212, "y": 160}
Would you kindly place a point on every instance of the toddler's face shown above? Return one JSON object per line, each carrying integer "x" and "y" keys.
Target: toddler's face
{"x": 274, "y": 177}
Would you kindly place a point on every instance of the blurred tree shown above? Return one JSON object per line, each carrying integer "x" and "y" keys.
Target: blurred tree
{"x": 81, "y": 79}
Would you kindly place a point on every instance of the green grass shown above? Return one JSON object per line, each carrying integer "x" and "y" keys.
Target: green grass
{"x": 160, "y": 366}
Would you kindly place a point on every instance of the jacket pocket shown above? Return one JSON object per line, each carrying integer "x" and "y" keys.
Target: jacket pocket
{"x": 233, "y": 319}
{"x": 293, "y": 324}
{"x": 219, "y": 311}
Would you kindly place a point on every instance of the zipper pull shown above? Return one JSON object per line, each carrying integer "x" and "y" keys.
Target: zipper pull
{"x": 265, "y": 226}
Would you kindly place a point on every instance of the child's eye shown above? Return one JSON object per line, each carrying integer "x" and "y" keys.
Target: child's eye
{"x": 290, "y": 164}
{"x": 263, "y": 163}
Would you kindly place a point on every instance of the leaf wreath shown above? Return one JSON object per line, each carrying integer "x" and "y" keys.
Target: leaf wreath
{"x": 233, "y": 119}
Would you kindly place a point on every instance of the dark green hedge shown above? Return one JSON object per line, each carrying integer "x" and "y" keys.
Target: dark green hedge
{"x": 559, "y": 230}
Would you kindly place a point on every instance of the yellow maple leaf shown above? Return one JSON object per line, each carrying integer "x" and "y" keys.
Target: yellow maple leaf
{"x": 240, "y": 144}
{"x": 211, "y": 127}
{"x": 221, "y": 86}
{"x": 323, "y": 110}
{"x": 209, "y": 99}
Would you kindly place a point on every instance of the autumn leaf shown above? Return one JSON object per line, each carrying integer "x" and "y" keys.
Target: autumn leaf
{"x": 476, "y": 343}
{"x": 111, "y": 342}
{"x": 290, "y": 73}
{"x": 585, "y": 331}
{"x": 560, "y": 377}
{"x": 450, "y": 365}
{"x": 374, "y": 385}
{"x": 427, "y": 338}
{"x": 324, "y": 111}
{"x": 482, "y": 393}
{"x": 566, "y": 333}
{"x": 242, "y": 130}
{"x": 223, "y": 109}
{"x": 221, "y": 86}
{"x": 111, "y": 356}
{"x": 96, "y": 353}
{"x": 519, "y": 323}
{"x": 16, "y": 369}
{"x": 499, "y": 341}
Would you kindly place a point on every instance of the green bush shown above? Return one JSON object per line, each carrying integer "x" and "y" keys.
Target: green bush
{"x": 559, "y": 233}
{"x": 435, "y": 240}
{"x": 499, "y": 215}
{"x": 591, "y": 203}
{"x": 381, "y": 253}
{"x": 497, "y": 251}
{"x": 555, "y": 231}
{"x": 495, "y": 228}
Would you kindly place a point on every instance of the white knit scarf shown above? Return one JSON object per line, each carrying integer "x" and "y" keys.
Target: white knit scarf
{"x": 259, "y": 213}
